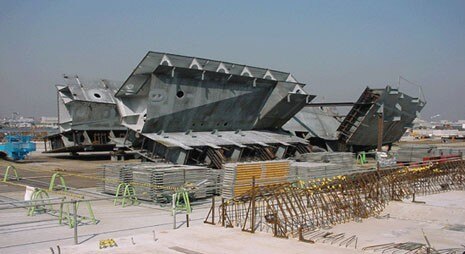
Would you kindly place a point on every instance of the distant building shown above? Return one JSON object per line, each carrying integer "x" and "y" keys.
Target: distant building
{"x": 462, "y": 122}
{"x": 48, "y": 122}
{"x": 18, "y": 121}
{"x": 443, "y": 129}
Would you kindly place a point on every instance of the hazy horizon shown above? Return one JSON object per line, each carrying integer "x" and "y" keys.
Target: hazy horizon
{"x": 337, "y": 48}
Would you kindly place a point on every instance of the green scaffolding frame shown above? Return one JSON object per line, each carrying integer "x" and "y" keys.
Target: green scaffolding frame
{"x": 125, "y": 192}
{"x": 7, "y": 171}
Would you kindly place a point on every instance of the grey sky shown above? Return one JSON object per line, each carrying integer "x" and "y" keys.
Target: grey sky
{"x": 336, "y": 47}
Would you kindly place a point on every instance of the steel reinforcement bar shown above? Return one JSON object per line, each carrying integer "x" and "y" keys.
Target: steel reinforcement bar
{"x": 294, "y": 208}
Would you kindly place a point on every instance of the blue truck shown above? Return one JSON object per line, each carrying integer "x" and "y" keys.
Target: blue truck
{"x": 16, "y": 147}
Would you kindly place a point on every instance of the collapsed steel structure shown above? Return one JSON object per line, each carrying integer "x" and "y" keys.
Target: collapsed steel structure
{"x": 191, "y": 110}
{"x": 293, "y": 208}
{"x": 358, "y": 131}
{"x": 87, "y": 116}
{"x": 396, "y": 109}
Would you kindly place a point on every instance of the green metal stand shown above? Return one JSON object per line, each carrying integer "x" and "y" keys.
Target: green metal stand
{"x": 299, "y": 183}
{"x": 127, "y": 192}
{"x": 181, "y": 201}
{"x": 5, "y": 178}
{"x": 52, "y": 182}
{"x": 38, "y": 206}
{"x": 362, "y": 158}
{"x": 69, "y": 215}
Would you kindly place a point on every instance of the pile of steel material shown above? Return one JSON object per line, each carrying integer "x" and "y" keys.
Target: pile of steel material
{"x": 411, "y": 248}
{"x": 358, "y": 131}
{"x": 323, "y": 236}
{"x": 87, "y": 117}
{"x": 239, "y": 177}
{"x": 192, "y": 110}
{"x": 414, "y": 152}
{"x": 289, "y": 209}
{"x": 158, "y": 181}
{"x": 419, "y": 152}
{"x": 449, "y": 151}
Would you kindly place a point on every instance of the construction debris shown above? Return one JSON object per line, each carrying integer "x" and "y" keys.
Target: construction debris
{"x": 411, "y": 248}
{"x": 328, "y": 237}
{"x": 107, "y": 243}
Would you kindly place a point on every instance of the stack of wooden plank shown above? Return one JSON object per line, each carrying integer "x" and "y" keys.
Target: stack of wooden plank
{"x": 238, "y": 177}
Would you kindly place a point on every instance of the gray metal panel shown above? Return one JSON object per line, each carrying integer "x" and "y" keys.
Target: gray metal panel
{"x": 174, "y": 93}
{"x": 94, "y": 116}
{"x": 320, "y": 123}
{"x": 98, "y": 91}
{"x": 155, "y": 60}
{"x": 281, "y": 106}
{"x": 88, "y": 105}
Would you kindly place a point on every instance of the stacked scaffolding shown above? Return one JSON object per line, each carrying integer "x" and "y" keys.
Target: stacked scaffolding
{"x": 322, "y": 164}
{"x": 344, "y": 159}
{"x": 161, "y": 179}
{"x": 113, "y": 175}
{"x": 306, "y": 171}
{"x": 158, "y": 181}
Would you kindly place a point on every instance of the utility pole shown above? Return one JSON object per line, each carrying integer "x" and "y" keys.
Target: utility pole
{"x": 380, "y": 115}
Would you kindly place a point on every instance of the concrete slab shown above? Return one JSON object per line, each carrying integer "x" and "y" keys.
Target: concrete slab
{"x": 132, "y": 229}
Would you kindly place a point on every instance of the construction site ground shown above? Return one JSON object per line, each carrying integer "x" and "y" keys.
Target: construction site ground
{"x": 148, "y": 228}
